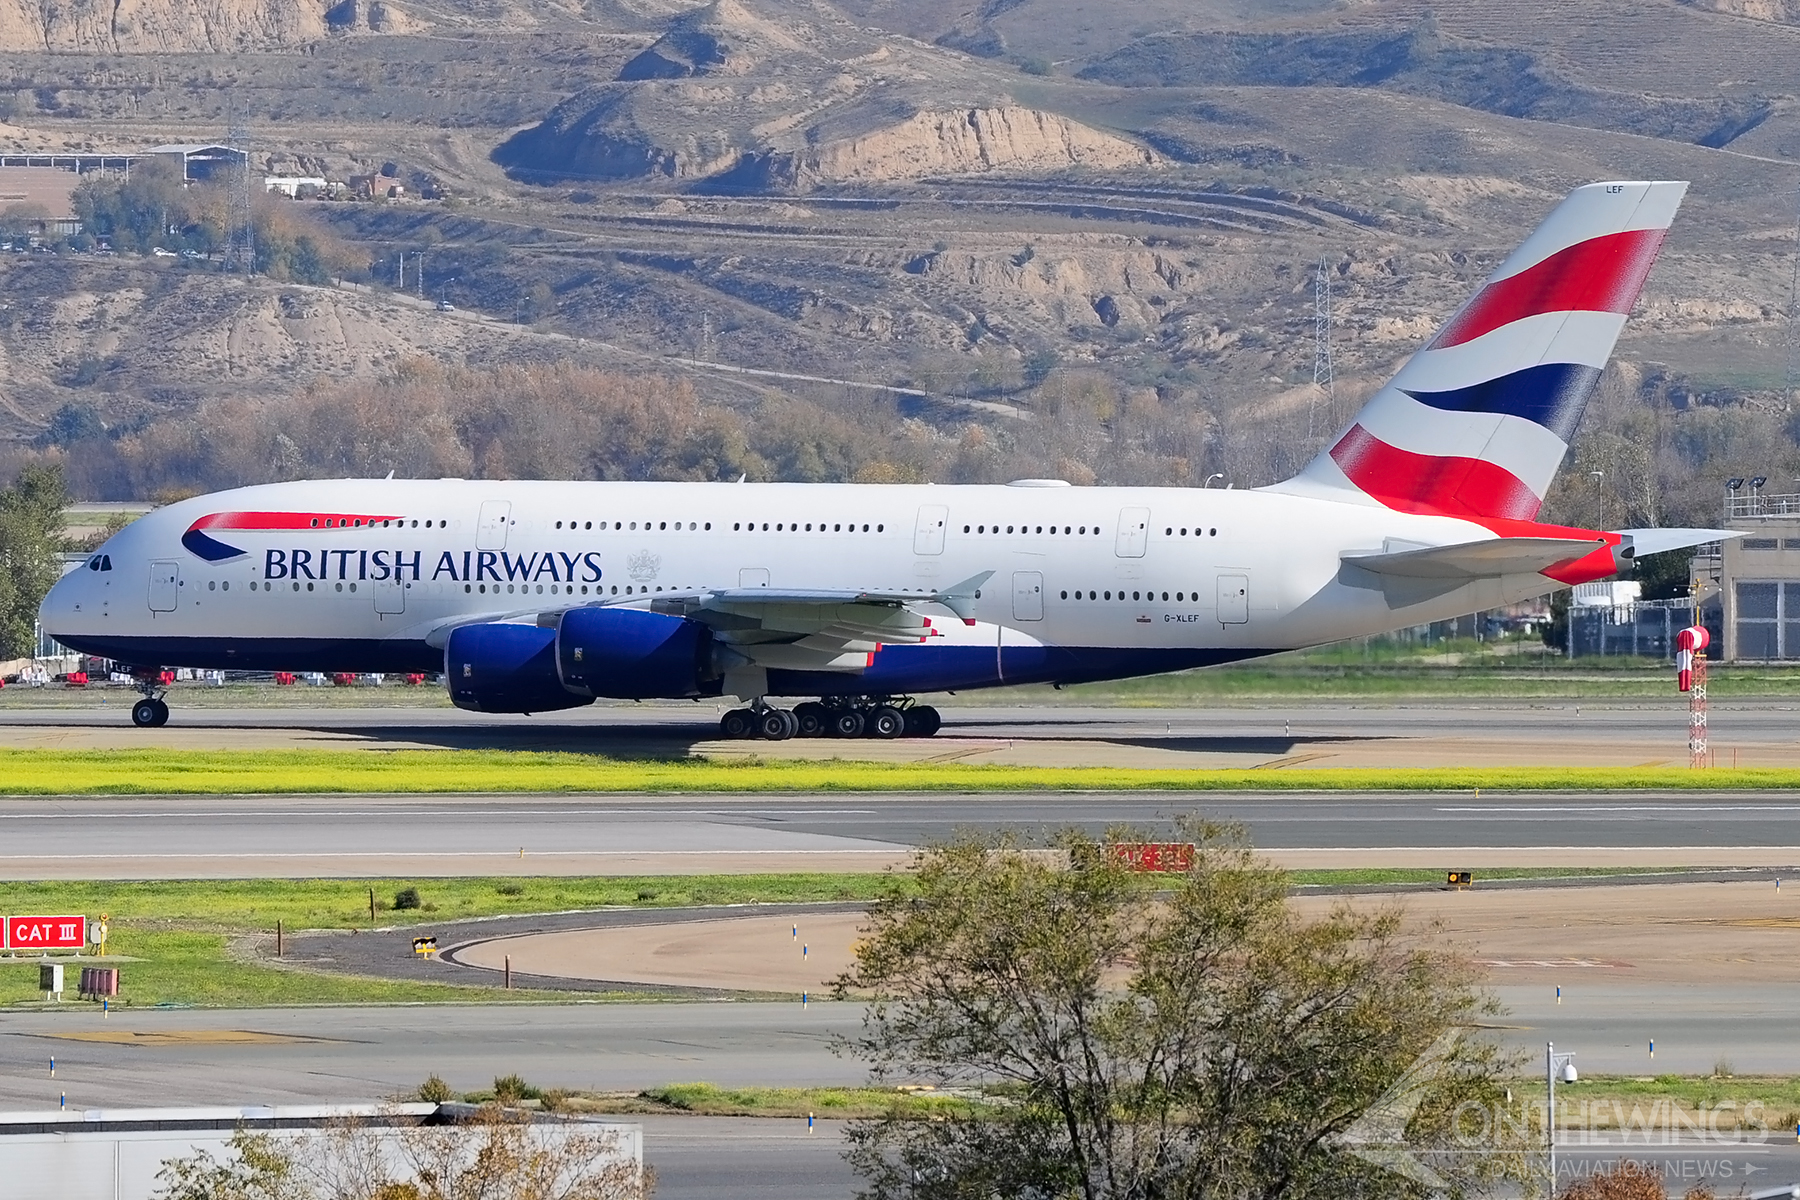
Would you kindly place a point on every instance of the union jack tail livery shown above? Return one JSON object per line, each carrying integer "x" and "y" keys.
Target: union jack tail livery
{"x": 1477, "y": 423}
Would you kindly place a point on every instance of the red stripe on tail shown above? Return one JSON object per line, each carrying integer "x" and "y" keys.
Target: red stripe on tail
{"x": 1431, "y": 484}
{"x": 1603, "y": 274}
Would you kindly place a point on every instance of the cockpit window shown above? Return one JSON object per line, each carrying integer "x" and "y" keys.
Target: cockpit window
{"x": 106, "y": 562}
{"x": 93, "y": 564}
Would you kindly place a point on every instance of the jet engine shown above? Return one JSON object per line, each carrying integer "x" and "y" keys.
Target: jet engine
{"x": 630, "y": 654}
{"x": 502, "y": 668}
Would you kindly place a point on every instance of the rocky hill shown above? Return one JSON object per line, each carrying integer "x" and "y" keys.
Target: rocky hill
{"x": 734, "y": 99}
{"x": 158, "y": 26}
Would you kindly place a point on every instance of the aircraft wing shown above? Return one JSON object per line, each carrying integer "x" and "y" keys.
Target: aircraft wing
{"x": 818, "y": 630}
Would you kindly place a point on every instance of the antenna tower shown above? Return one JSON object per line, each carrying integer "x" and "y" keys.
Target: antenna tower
{"x": 1322, "y": 370}
{"x": 240, "y": 248}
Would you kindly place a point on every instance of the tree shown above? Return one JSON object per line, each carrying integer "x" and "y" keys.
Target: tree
{"x": 31, "y": 514}
{"x": 1201, "y": 1044}
{"x": 495, "y": 1156}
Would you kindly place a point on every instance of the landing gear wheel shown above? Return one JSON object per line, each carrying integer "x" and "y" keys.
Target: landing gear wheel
{"x": 144, "y": 714}
{"x": 884, "y": 722}
{"x": 847, "y": 724}
{"x": 812, "y": 718}
{"x": 922, "y": 720}
{"x": 776, "y": 725}
{"x": 162, "y": 713}
{"x": 738, "y": 724}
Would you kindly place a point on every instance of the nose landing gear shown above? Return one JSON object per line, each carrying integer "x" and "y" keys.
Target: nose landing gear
{"x": 151, "y": 712}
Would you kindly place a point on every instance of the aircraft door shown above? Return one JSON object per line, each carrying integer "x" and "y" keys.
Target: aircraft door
{"x": 165, "y": 583}
{"x": 491, "y": 526}
{"x": 1028, "y": 596}
{"x": 390, "y": 594}
{"x": 753, "y": 577}
{"x": 928, "y": 535}
{"x": 1134, "y": 532}
{"x": 1234, "y": 599}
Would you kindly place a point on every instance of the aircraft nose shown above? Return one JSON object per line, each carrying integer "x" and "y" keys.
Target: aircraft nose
{"x": 67, "y": 602}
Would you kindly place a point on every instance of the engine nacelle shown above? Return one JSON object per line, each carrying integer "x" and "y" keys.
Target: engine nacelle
{"x": 500, "y": 668}
{"x": 630, "y": 654}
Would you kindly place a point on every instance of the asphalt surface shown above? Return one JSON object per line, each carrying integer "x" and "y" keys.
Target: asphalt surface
{"x": 364, "y": 1053}
{"x": 235, "y": 837}
{"x": 1289, "y": 734}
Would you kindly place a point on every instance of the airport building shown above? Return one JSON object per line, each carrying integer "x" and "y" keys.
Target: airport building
{"x": 1758, "y": 575}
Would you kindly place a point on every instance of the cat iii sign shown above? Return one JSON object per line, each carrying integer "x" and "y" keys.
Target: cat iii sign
{"x": 43, "y": 933}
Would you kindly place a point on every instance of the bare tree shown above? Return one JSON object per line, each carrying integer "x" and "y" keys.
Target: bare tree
{"x": 498, "y": 1155}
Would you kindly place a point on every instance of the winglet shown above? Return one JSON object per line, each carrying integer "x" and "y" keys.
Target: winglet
{"x": 960, "y": 598}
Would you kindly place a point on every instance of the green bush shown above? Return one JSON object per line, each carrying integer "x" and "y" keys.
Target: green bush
{"x": 435, "y": 1091}
{"x": 405, "y": 898}
{"x": 510, "y": 1089}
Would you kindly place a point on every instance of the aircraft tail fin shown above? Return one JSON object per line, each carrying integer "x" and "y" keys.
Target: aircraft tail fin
{"x": 1476, "y": 424}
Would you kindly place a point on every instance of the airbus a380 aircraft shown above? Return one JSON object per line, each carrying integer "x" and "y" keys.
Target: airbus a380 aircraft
{"x": 532, "y": 596}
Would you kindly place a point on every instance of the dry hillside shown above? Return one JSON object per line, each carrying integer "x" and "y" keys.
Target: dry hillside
{"x": 1098, "y": 221}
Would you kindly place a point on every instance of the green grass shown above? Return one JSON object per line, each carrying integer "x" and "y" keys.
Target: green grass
{"x": 1599, "y": 1102}
{"x": 254, "y": 905}
{"x": 189, "y": 967}
{"x": 1609, "y": 1101}
{"x": 706, "y": 1099}
{"x": 240, "y": 772}
{"x": 181, "y": 930}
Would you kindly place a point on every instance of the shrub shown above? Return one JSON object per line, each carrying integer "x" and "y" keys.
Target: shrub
{"x": 510, "y": 889}
{"x": 510, "y": 1089}
{"x": 435, "y": 1091}
{"x": 406, "y": 898}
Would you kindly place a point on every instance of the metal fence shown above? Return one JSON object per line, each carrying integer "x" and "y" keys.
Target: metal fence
{"x": 1640, "y": 629}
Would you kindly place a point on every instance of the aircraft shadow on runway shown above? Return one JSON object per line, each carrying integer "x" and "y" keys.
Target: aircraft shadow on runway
{"x": 667, "y": 741}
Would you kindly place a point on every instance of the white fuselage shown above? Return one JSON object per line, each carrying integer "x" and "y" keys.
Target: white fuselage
{"x": 1113, "y": 581}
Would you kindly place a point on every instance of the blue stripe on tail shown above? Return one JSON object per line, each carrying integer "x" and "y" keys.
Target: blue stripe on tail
{"x": 1551, "y": 394}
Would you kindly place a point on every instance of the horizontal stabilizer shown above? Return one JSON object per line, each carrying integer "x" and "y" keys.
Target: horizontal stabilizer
{"x": 1477, "y": 560}
{"x": 1656, "y": 541}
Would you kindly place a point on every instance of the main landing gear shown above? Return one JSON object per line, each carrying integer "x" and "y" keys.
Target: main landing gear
{"x": 151, "y": 711}
{"x": 862, "y": 716}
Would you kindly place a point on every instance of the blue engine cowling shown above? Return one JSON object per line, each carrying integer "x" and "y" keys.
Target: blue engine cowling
{"x": 630, "y": 654}
{"x": 500, "y": 668}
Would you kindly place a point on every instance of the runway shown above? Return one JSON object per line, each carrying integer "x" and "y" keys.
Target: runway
{"x": 1288, "y": 735}
{"x": 159, "y": 837}
{"x": 364, "y": 1053}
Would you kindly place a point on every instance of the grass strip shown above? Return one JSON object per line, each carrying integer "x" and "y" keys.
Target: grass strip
{"x": 254, "y": 905}
{"x": 180, "y": 931}
{"x": 1721, "y": 1103}
{"x": 1679, "y": 1103}
{"x": 239, "y": 772}
{"x": 194, "y": 968}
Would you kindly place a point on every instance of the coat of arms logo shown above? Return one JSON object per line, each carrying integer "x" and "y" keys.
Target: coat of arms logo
{"x": 643, "y": 566}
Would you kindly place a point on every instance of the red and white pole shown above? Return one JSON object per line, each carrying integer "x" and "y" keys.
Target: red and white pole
{"x": 1690, "y": 677}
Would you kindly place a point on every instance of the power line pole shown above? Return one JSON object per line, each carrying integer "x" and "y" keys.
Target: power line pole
{"x": 240, "y": 251}
{"x": 1793, "y": 346}
{"x": 1323, "y": 381}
